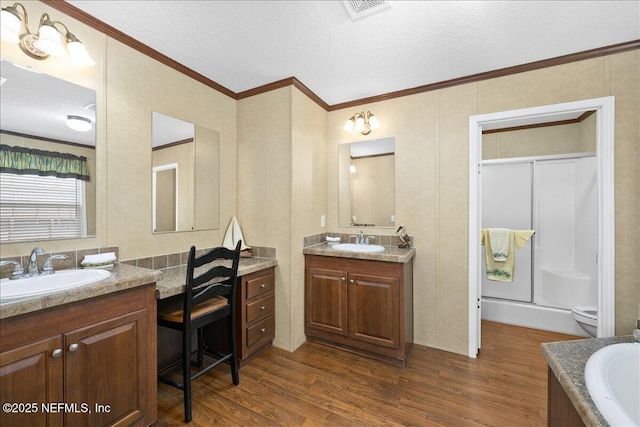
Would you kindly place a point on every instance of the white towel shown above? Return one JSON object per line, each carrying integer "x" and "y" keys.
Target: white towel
{"x": 97, "y": 259}
{"x": 499, "y": 241}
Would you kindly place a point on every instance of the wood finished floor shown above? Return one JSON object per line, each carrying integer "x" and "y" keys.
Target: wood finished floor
{"x": 321, "y": 386}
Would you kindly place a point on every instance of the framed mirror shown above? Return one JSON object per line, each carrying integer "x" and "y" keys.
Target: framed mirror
{"x": 185, "y": 176}
{"x": 47, "y": 164}
{"x": 366, "y": 183}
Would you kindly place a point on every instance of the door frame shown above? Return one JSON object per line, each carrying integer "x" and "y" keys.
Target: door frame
{"x": 605, "y": 125}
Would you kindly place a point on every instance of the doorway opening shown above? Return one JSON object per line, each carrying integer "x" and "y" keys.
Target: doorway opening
{"x": 604, "y": 135}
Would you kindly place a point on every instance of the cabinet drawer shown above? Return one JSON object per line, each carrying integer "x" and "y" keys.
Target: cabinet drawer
{"x": 262, "y": 330}
{"x": 260, "y": 285}
{"x": 261, "y": 308}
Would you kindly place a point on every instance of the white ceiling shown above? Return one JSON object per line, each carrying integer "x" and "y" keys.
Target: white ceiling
{"x": 245, "y": 44}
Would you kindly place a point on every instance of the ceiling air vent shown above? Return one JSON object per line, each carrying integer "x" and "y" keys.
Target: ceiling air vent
{"x": 359, "y": 9}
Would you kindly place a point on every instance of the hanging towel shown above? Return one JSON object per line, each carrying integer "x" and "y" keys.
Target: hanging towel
{"x": 499, "y": 243}
{"x": 503, "y": 271}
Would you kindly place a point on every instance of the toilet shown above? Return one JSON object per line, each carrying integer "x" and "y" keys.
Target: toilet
{"x": 587, "y": 318}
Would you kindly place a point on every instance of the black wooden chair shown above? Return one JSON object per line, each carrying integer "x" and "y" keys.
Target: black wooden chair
{"x": 209, "y": 296}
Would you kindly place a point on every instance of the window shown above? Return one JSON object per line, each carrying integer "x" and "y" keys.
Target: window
{"x": 36, "y": 207}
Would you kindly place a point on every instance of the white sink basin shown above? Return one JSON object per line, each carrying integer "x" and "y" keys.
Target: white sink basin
{"x": 38, "y": 285}
{"x": 612, "y": 375}
{"x": 351, "y": 247}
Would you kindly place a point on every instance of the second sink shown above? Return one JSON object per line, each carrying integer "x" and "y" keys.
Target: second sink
{"x": 350, "y": 247}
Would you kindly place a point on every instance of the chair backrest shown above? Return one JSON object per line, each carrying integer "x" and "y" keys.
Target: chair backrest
{"x": 214, "y": 273}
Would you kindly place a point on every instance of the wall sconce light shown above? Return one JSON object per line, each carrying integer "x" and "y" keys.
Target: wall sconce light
{"x": 363, "y": 123}
{"x": 79, "y": 123}
{"x": 46, "y": 42}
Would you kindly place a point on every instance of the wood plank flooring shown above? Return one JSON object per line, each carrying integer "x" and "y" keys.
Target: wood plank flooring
{"x": 321, "y": 386}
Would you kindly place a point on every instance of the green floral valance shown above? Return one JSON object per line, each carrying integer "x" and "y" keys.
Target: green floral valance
{"x": 28, "y": 161}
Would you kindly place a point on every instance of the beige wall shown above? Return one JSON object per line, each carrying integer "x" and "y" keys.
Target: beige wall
{"x": 282, "y": 191}
{"x": 431, "y": 131}
{"x": 561, "y": 139}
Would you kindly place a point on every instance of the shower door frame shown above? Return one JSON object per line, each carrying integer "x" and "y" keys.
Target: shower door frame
{"x": 605, "y": 125}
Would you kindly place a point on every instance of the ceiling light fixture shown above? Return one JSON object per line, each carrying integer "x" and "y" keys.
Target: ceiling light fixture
{"x": 363, "y": 123}
{"x": 79, "y": 123}
{"x": 46, "y": 42}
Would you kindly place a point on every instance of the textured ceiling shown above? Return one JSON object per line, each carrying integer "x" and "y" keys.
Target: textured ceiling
{"x": 245, "y": 44}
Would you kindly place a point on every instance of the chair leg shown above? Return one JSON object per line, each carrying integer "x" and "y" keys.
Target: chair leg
{"x": 200, "y": 358}
{"x": 186, "y": 374}
{"x": 232, "y": 348}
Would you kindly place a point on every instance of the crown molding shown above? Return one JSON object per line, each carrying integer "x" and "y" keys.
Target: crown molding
{"x": 91, "y": 21}
{"x": 107, "y": 29}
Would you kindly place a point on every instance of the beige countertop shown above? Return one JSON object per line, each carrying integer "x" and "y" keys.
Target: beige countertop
{"x": 390, "y": 254}
{"x": 122, "y": 277}
{"x": 567, "y": 360}
{"x": 173, "y": 279}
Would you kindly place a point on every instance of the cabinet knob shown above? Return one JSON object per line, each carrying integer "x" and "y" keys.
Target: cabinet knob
{"x": 262, "y": 330}
{"x": 344, "y": 278}
{"x": 263, "y": 285}
{"x": 262, "y": 307}
{"x": 73, "y": 347}
{"x": 351, "y": 281}
{"x": 57, "y": 352}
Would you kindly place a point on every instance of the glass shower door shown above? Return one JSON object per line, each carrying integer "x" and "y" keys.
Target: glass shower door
{"x": 507, "y": 203}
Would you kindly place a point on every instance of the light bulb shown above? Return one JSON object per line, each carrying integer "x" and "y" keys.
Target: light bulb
{"x": 348, "y": 126}
{"x": 360, "y": 124}
{"x": 373, "y": 122}
{"x": 10, "y": 25}
{"x": 49, "y": 40}
{"x": 79, "y": 55}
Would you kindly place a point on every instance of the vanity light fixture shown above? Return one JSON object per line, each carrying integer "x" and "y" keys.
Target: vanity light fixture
{"x": 363, "y": 123}
{"x": 46, "y": 42}
{"x": 79, "y": 123}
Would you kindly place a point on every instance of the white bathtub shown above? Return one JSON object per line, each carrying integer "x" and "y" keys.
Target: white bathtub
{"x": 612, "y": 375}
{"x": 565, "y": 288}
{"x": 530, "y": 316}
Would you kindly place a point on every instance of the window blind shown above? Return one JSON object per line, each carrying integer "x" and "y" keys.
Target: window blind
{"x": 41, "y": 208}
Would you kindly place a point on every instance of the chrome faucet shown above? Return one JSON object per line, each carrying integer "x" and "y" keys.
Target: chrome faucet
{"x": 32, "y": 269}
{"x": 18, "y": 271}
{"x": 361, "y": 237}
{"x": 47, "y": 267}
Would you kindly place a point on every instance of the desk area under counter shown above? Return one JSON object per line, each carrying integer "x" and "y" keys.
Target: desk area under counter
{"x": 255, "y": 324}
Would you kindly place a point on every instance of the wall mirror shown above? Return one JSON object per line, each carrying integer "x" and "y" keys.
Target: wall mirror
{"x": 366, "y": 183}
{"x": 48, "y": 169}
{"x": 185, "y": 175}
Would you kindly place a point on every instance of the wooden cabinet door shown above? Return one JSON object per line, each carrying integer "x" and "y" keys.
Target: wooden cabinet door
{"x": 31, "y": 376}
{"x": 105, "y": 367}
{"x": 374, "y": 310}
{"x": 326, "y": 300}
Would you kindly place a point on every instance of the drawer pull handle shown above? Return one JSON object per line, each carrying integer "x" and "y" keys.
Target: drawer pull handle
{"x": 57, "y": 352}
{"x": 73, "y": 347}
{"x": 262, "y": 330}
{"x": 262, "y": 307}
{"x": 262, "y": 286}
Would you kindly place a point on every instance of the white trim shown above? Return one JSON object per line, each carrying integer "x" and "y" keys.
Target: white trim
{"x": 154, "y": 171}
{"x": 605, "y": 124}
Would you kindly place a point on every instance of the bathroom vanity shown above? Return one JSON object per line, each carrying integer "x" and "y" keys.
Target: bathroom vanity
{"x": 82, "y": 357}
{"x": 361, "y": 302}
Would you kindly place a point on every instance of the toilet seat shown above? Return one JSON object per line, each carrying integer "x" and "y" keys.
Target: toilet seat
{"x": 587, "y": 315}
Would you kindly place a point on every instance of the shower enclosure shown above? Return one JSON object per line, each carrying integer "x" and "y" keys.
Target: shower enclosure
{"x": 556, "y": 196}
